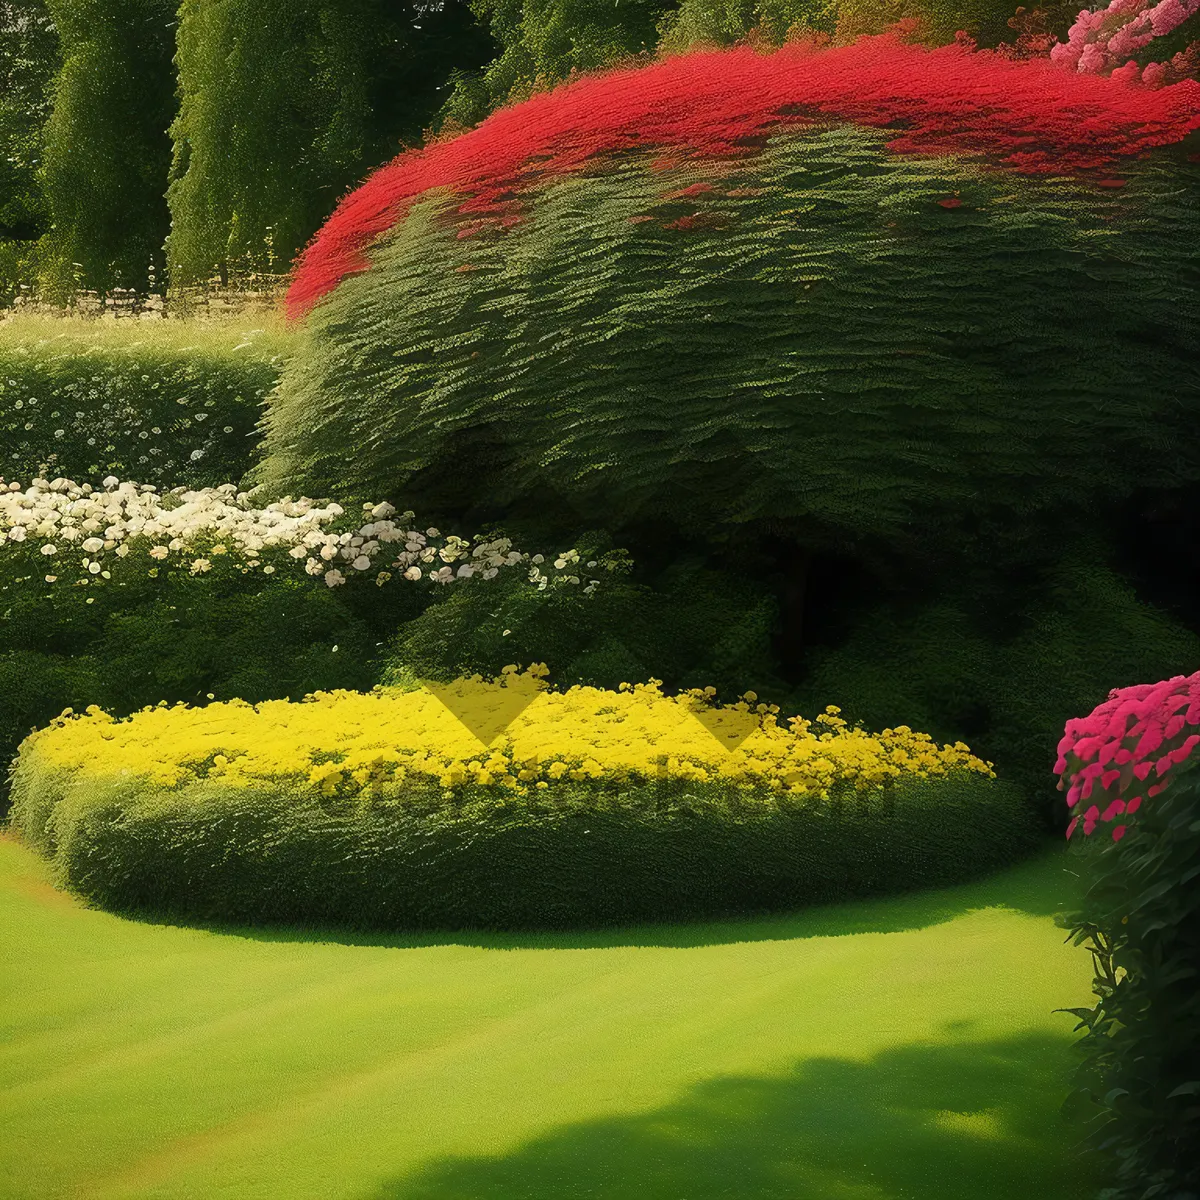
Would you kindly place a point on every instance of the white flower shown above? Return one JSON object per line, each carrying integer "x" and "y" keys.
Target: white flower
{"x": 17, "y": 533}
{"x": 314, "y": 566}
{"x": 539, "y": 558}
{"x": 298, "y": 552}
{"x": 94, "y": 568}
{"x": 93, "y": 544}
{"x": 328, "y": 551}
{"x": 111, "y": 481}
{"x": 200, "y": 566}
{"x": 268, "y": 569}
{"x": 159, "y": 552}
{"x": 431, "y": 532}
{"x": 413, "y": 573}
{"x": 361, "y": 563}
{"x": 333, "y": 578}
{"x": 122, "y": 551}
{"x": 51, "y": 578}
{"x": 49, "y": 549}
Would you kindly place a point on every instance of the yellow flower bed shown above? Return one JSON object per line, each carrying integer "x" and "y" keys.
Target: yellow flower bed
{"x": 346, "y": 742}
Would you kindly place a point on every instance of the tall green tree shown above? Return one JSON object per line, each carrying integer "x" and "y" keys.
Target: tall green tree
{"x": 286, "y": 104}
{"x": 724, "y": 22}
{"x": 28, "y": 63}
{"x": 107, "y": 152}
{"x": 542, "y": 42}
{"x": 547, "y": 41}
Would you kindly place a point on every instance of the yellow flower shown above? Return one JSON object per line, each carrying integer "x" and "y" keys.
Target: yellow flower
{"x": 583, "y": 734}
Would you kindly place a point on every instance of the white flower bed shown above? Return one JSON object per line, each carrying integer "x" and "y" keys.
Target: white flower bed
{"x": 76, "y": 527}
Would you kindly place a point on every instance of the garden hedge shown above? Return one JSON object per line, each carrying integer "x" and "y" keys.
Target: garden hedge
{"x": 725, "y": 292}
{"x": 161, "y": 402}
{"x": 590, "y": 807}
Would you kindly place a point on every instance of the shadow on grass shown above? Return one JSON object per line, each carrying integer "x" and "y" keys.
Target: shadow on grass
{"x": 963, "y": 1121}
{"x": 1040, "y": 886}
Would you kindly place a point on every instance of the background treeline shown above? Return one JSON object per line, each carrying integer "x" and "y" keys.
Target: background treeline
{"x": 152, "y": 141}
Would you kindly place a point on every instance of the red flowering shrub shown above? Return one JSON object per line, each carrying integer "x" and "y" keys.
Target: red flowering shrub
{"x": 1110, "y": 755}
{"x": 1028, "y": 115}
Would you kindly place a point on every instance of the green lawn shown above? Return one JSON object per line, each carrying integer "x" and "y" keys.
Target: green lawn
{"x": 873, "y": 1051}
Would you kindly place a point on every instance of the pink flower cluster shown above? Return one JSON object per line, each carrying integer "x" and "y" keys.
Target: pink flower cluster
{"x": 1104, "y": 41}
{"x": 1137, "y": 730}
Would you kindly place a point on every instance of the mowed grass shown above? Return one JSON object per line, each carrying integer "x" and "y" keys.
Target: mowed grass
{"x": 881, "y": 1050}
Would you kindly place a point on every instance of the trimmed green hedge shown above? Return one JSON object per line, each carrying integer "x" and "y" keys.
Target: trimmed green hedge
{"x": 176, "y": 406}
{"x": 581, "y": 856}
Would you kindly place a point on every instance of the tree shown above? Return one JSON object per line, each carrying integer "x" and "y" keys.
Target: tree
{"x": 542, "y": 43}
{"x": 107, "y": 150}
{"x": 28, "y": 63}
{"x": 284, "y": 104}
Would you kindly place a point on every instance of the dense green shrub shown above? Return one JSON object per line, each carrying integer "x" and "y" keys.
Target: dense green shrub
{"x": 506, "y": 369}
{"x": 939, "y": 664}
{"x": 694, "y": 627}
{"x": 1140, "y": 917}
{"x": 392, "y": 828}
{"x": 154, "y": 402}
{"x": 261, "y": 856}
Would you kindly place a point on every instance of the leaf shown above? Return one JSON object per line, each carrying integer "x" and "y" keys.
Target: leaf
{"x": 1191, "y": 1088}
{"x": 1115, "y": 1094}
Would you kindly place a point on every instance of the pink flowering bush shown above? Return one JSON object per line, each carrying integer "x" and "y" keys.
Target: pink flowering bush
{"x": 1109, "y": 756}
{"x": 1140, "y": 917}
{"x": 1110, "y": 40}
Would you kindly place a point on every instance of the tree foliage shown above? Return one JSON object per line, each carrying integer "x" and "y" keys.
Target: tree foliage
{"x": 28, "y": 63}
{"x": 107, "y": 150}
{"x": 286, "y": 103}
{"x": 543, "y": 42}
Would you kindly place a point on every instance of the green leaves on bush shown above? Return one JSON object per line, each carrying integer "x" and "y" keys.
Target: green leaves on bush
{"x": 88, "y": 403}
{"x": 1141, "y": 919}
{"x": 663, "y": 851}
{"x": 694, "y": 627}
{"x": 948, "y": 666}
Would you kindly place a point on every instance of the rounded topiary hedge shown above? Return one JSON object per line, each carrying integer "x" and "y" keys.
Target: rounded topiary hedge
{"x": 846, "y": 293}
{"x": 589, "y": 807}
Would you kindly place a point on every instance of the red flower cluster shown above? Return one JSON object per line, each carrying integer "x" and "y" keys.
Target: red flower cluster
{"x": 713, "y": 105}
{"x": 1136, "y": 731}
